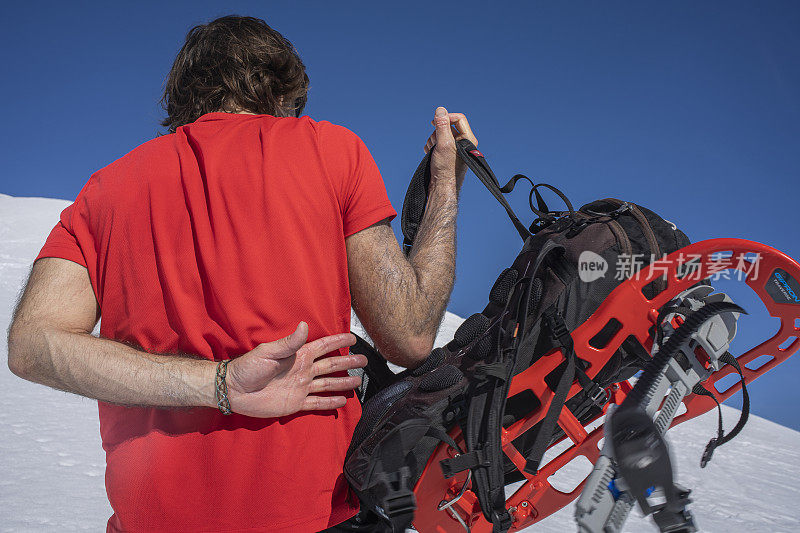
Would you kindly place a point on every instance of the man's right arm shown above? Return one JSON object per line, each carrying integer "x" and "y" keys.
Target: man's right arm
{"x": 50, "y": 342}
{"x": 401, "y": 301}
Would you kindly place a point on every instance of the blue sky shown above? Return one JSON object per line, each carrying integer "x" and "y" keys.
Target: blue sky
{"x": 689, "y": 108}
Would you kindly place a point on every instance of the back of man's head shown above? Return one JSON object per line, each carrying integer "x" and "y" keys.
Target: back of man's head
{"x": 234, "y": 64}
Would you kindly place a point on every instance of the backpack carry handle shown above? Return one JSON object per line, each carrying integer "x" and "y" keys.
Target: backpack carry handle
{"x": 476, "y": 162}
{"x": 417, "y": 193}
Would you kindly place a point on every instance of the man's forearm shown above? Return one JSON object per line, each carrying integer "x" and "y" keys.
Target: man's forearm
{"x": 108, "y": 370}
{"x": 433, "y": 257}
{"x": 401, "y": 300}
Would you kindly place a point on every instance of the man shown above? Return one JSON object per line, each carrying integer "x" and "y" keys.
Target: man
{"x": 247, "y": 223}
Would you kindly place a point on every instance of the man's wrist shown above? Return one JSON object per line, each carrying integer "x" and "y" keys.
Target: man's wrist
{"x": 201, "y": 383}
{"x": 444, "y": 186}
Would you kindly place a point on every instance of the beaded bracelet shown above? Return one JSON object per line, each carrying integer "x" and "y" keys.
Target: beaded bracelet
{"x": 223, "y": 404}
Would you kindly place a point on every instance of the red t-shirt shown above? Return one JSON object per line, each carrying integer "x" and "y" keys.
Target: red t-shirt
{"x": 209, "y": 241}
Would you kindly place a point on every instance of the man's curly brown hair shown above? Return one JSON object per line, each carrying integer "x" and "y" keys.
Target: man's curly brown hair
{"x": 234, "y": 64}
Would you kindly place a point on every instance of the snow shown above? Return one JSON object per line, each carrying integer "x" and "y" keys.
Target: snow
{"x": 52, "y": 465}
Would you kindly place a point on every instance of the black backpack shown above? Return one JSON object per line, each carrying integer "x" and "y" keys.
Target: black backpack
{"x": 560, "y": 277}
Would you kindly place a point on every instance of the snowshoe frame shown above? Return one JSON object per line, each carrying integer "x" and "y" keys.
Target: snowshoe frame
{"x": 776, "y": 285}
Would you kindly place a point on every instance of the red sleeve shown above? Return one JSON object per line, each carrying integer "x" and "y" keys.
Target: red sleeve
{"x": 362, "y": 194}
{"x": 62, "y": 243}
{"x": 72, "y": 233}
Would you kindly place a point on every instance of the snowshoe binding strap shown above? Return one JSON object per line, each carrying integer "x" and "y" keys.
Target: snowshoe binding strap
{"x": 722, "y": 437}
{"x": 643, "y": 462}
{"x": 638, "y": 446}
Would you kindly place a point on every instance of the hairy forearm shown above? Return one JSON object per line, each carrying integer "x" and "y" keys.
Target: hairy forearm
{"x": 108, "y": 370}
{"x": 401, "y": 300}
{"x": 433, "y": 258}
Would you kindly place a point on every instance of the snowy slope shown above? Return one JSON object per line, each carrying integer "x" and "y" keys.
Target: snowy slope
{"x": 51, "y": 462}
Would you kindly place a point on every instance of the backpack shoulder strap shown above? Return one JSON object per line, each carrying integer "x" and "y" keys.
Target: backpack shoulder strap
{"x": 377, "y": 372}
{"x": 488, "y": 395}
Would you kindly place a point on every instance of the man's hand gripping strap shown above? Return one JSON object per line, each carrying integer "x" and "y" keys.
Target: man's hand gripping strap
{"x": 417, "y": 193}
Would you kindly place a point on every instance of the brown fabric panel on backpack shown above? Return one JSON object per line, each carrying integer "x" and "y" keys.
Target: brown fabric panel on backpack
{"x": 652, "y": 241}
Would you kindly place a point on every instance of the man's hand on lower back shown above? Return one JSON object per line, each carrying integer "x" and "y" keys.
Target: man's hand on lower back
{"x": 283, "y": 377}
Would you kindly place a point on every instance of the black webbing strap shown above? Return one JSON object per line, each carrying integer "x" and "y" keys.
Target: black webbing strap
{"x": 397, "y": 498}
{"x": 379, "y": 375}
{"x": 398, "y": 502}
{"x": 477, "y": 163}
{"x": 464, "y": 461}
{"x": 593, "y": 392}
{"x": 721, "y": 437}
{"x": 561, "y": 335}
{"x": 439, "y": 433}
{"x": 545, "y": 215}
{"x": 498, "y": 370}
{"x": 417, "y": 194}
{"x": 415, "y": 201}
{"x": 487, "y": 406}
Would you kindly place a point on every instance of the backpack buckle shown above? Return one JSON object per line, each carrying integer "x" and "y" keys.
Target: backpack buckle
{"x": 577, "y": 227}
{"x": 558, "y": 329}
{"x": 399, "y": 499}
{"x": 626, "y": 206}
{"x": 399, "y": 504}
{"x": 598, "y": 395}
{"x": 501, "y": 521}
